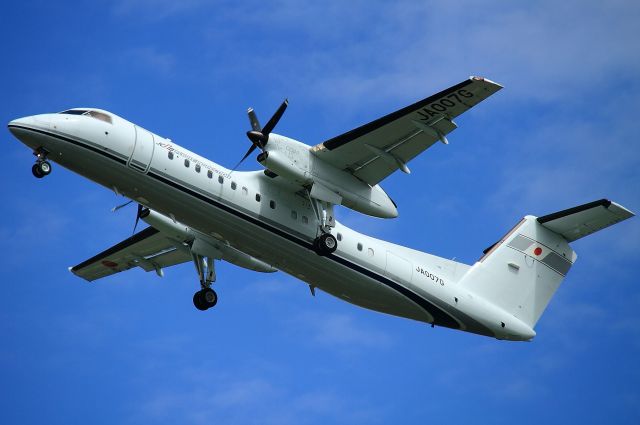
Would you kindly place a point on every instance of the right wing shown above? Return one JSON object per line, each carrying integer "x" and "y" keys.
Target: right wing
{"x": 375, "y": 150}
{"x": 148, "y": 249}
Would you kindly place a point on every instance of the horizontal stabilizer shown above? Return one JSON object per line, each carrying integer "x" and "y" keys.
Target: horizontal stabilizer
{"x": 577, "y": 222}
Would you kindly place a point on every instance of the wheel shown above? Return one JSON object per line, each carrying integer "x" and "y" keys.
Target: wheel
{"x": 198, "y": 301}
{"x": 205, "y": 299}
{"x": 45, "y": 167}
{"x": 209, "y": 297}
{"x": 325, "y": 244}
{"x": 36, "y": 171}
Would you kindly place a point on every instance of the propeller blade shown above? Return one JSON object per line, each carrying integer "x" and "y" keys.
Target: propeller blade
{"x": 253, "y": 119}
{"x": 140, "y": 207}
{"x": 246, "y": 155}
{"x": 266, "y": 130}
{"x": 260, "y": 136}
{"x": 116, "y": 208}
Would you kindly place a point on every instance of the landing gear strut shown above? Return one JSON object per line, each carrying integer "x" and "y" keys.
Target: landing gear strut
{"x": 42, "y": 167}
{"x": 206, "y": 297}
{"x": 325, "y": 243}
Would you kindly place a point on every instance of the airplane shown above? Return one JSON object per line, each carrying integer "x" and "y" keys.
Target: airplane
{"x": 282, "y": 217}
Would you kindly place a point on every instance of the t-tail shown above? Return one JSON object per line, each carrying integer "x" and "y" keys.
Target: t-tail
{"x": 517, "y": 276}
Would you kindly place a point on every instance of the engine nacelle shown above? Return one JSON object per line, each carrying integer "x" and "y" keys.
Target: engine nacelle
{"x": 294, "y": 161}
{"x": 203, "y": 244}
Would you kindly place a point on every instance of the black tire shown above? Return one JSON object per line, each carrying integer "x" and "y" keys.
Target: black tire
{"x": 209, "y": 297}
{"x": 198, "y": 301}
{"x": 45, "y": 167}
{"x": 37, "y": 173}
{"x": 325, "y": 244}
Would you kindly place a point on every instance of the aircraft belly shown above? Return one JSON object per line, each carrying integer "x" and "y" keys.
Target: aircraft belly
{"x": 285, "y": 255}
{"x": 244, "y": 234}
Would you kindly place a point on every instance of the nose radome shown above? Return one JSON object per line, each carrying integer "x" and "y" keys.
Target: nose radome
{"x": 21, "y": 121}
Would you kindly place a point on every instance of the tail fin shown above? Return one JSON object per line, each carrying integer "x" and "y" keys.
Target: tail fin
{"x": 521, "y": 272}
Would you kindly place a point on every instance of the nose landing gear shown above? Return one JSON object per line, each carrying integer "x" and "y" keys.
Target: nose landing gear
{"x": 42, "y": 167}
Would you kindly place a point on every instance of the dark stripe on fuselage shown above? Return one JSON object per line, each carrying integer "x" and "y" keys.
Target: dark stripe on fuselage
{"x": 440, "y": 317}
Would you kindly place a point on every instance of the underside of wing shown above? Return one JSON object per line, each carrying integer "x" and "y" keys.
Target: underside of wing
{"x": 148, "y": 249}
{"x": 377, "y": 149}
{"x": 578, "y": 222}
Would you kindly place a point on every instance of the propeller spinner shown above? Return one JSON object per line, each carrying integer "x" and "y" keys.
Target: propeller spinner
{"x": 259, "y": 136}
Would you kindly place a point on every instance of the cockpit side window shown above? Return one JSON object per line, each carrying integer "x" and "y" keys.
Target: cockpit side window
{"x": 100, "y": 116}
{"x": 94, "y": 114}
{"x": 75, "y": 112}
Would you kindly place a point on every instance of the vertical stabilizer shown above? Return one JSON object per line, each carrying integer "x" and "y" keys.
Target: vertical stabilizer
{"x": 521, "y": 272}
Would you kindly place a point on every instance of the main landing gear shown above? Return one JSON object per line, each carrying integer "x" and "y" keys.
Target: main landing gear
{"x": 42, "y": 167}
{"x": 325, "y": 243}
{"x": 206, "y": 297}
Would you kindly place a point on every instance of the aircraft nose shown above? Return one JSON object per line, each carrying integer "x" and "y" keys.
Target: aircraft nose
{"x": 37, "y": 121}
{"x": 18, "y": 123}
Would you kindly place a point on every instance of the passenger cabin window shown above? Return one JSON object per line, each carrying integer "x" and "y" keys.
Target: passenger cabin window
{"x": 186, "y": 163}
{"x": 272, "y": 204}
{"x": 170, "y": 155}
{"x": 257, "y": 197}
{"x": 305, "y": 220}
{"x": 370, "y": 252}
{"x": 220, "y": 179}
{"x": 359, "y": 246}
{"x": 210, "y": 174}
{"x": 245, "y": 192}
{"x": 339, "y": 236}
{"x": 294, "y": 215}
{"x": 197, "y": 168}
{"x": 233, "y": 185}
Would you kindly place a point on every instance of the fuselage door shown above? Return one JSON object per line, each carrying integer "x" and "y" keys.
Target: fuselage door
{"x": 142, "y": 150}
{"x": 398, "y": 269}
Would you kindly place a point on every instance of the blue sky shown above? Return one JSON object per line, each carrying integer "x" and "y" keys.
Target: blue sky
{"x": 132, "y": 349}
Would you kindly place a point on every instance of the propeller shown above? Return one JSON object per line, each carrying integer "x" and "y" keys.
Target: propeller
{"x": 259, "y": 136}
{"x": 138, "y": 213}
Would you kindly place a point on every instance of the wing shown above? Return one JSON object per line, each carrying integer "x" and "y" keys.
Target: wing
{"x": 148, "y": 249}
{"x": 375, "y": 150}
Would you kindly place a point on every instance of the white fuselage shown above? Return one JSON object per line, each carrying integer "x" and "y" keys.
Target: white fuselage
{"x": 264, "y": 217}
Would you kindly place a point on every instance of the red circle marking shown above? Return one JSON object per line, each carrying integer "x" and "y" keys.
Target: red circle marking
{"x": 108, "y": 263}
{"x": 537, "y": 251}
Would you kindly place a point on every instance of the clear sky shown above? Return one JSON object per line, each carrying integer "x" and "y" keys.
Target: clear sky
{"x": 132, "y": 349}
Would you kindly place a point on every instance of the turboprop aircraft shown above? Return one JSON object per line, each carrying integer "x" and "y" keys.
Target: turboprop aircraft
{"x": 282, "y": 217}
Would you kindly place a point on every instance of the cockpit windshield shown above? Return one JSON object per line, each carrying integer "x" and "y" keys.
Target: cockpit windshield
{"x": 90, "y": 113}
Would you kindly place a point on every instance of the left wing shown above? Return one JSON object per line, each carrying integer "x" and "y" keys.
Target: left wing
{"x": 148, "y": 249}
{"x": 377, "y": 149}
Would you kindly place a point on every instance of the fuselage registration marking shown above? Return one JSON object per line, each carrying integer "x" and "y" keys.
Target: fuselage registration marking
{"x": 431, "y": 276}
